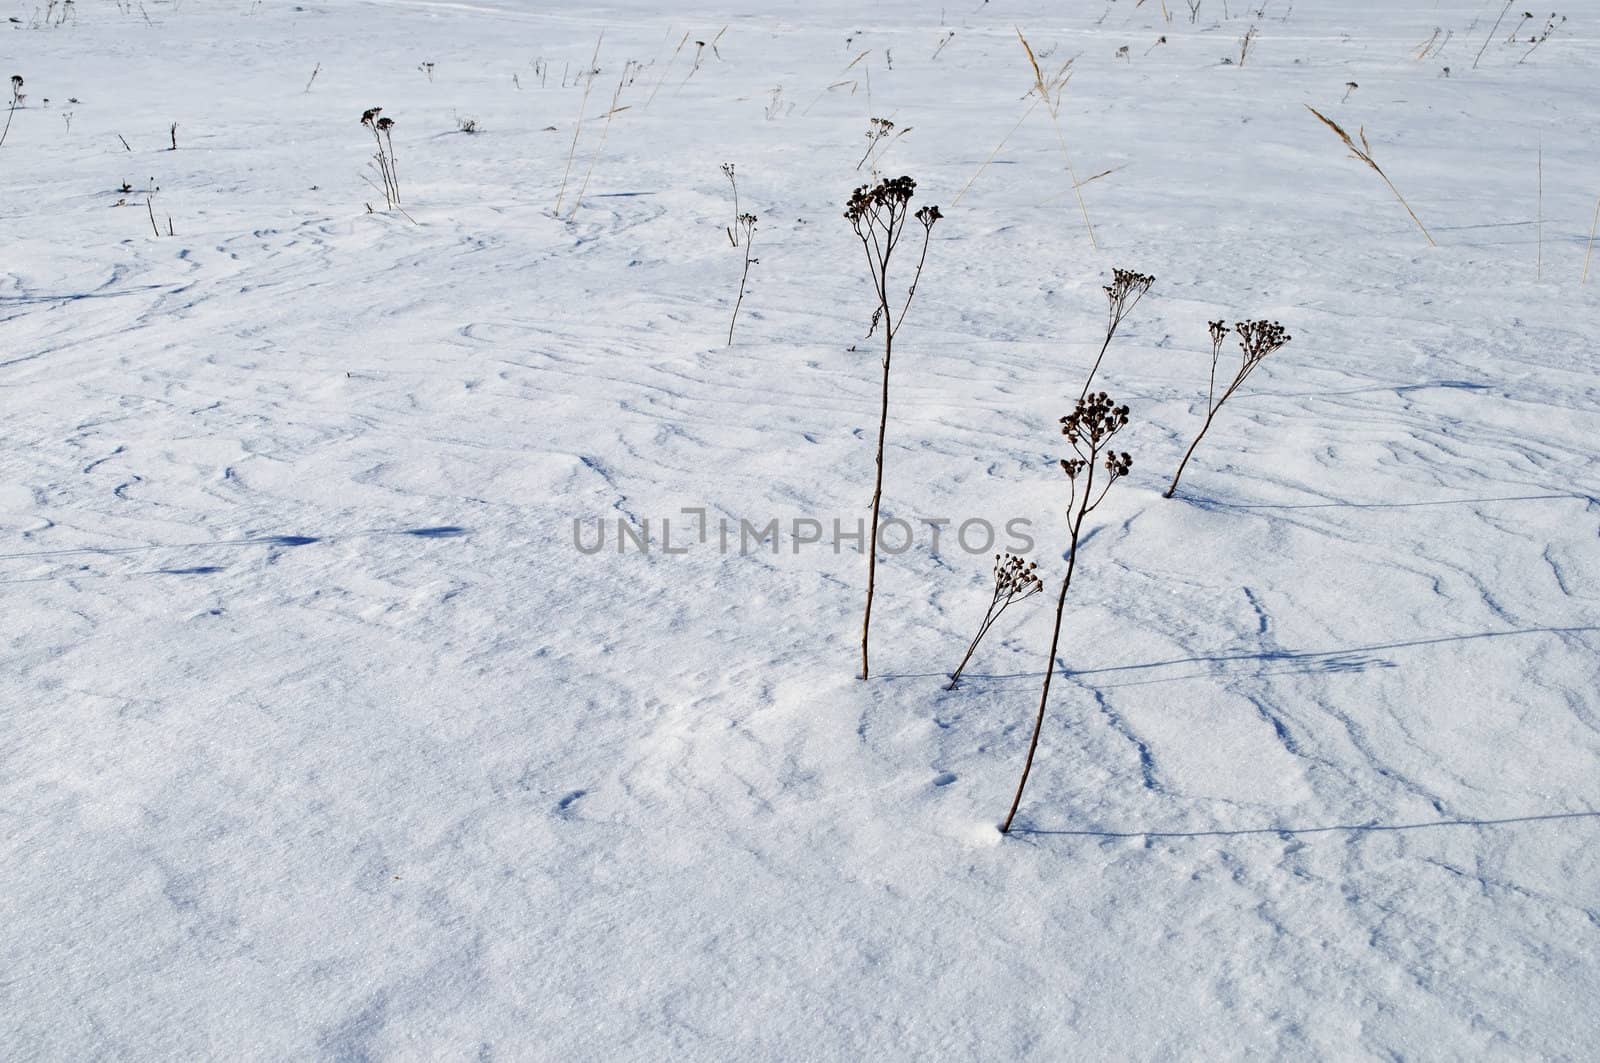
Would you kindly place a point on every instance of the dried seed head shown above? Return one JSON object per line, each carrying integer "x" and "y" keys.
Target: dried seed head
{"x": 1257, "y": 339}
{"x": 891, "y": 193}
{"x": 385, "y": 124}
{"x": 1095, "y": 420}
{"x": 1126, "y": 283}
{"x": 1014, "y": 578}
{"x": 1218, "y": 331}
{"x": 928, "y": 215}
{"x": 370, "y": 115}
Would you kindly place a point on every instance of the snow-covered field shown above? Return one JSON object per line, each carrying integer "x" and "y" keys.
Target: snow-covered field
{"x": 319, "y": 737}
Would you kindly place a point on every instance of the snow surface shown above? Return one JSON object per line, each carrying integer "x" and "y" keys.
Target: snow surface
{"x": 320, "y": 739}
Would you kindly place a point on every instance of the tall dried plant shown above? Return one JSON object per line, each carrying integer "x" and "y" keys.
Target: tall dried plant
{"x": 878, "y": 214}
{"x": 1089, "y": 429}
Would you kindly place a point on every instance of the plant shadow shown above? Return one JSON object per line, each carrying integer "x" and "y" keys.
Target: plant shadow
{"x": 1289, "y": 832}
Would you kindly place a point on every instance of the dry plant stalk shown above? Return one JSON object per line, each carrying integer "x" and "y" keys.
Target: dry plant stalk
{"x": 1257, "y": 339}
{"x": 1089, "y": 429}
{"x": 605, "y": 132}
{"x": 732, "y": 230}
{"x": 1492, "y": 31}
{"x": 384, "y": 156}
{"x": 746, "y": 228}
{"x": 17, "y": 96}
{"x": 995, "y": 152}
{"x": 878, "y": 129}
{"x": 1587, "y": 255}
{"x": 577, "y": 129}
{"x": 1245, "y": 42}
{"x": 878, "y": 214}
{"x": 1122, "y": 295}
{"x": 1014, "y": 581}
{"x": 1550, "y": 27}
{"x": 1051, "y": 92}
{"x": 1364, "y": 154}
{"x": 668, "y": 68}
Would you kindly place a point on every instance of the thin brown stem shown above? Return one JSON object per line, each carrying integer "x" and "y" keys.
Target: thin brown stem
{"x": 1050, "y": 662}
{"x": 1203, "y": 428}
{"x": 1492, "y": 32}
{"x": 877, "y": 498}
{"x": 749, "y": 238}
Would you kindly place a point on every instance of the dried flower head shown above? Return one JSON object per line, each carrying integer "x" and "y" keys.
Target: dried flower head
{"x": 370, "y": 115}
{"x": 1257, "y": 339}
{"x": 928, "y": 215}
{"x": 1218, "y": 332}
{"x": 385, "y": 124}
{"x": 889, "y": 194}
{"x": 1015, "y": 578}
{"x": 1095, "y": 420}
{"x": 1125, "y": 289}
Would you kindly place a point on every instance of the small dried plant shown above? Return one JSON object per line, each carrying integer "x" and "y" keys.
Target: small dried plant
{"x": 733, "y": 230}
{"x": 878, "y": 130}
{"x": 1089, "y": 429}
{"x": 878, "y": 214}
{"x": 17, "y": 96}
{"x": 1552, "y": 24}
{"x": 1015, "y": 580}
{"x": 1257, "y": 339}
{"x": 1123, "y": 293}
{"x": 1194, "y": 9}
{"x": 1245, "y": 42}
{"x": 747, "y": 230}
{"x": 1050, "y": 92}
{"x": 383, "y": 136}
{"x": 1364, "y": 154}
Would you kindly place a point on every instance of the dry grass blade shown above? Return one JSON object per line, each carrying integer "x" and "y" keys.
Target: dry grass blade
{"x": 1038, "y": 75}
{"x": 1364, "y": 154}
{"x": 1053, "y": 105}
{"x": 1587, "y": 255}
{"x": 577, "y": 130}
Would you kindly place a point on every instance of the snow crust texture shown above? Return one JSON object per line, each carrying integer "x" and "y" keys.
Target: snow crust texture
{"x": 319, "y": 738}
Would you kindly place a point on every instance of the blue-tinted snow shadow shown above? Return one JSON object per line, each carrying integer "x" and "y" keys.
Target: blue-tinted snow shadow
{"x": 1348, "y": 659}
{"x": 1203, "y": 502}
{"x": 439, "y": 531}
{"x": 443, "y": 531}
{"x": 1286, "y": 832}
{"x": 73, "y": 297}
